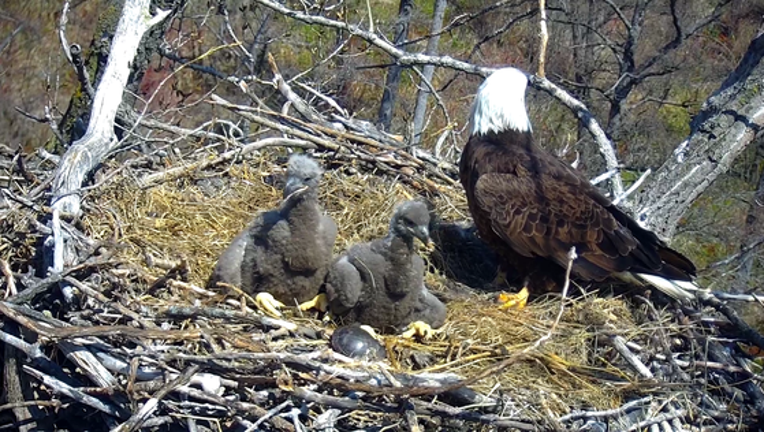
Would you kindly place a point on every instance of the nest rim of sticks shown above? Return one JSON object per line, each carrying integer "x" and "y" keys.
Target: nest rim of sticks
{"x": 143, "y": 309}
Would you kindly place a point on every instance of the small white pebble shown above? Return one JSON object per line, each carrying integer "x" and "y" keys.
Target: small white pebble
{"x": 209, "y": 383}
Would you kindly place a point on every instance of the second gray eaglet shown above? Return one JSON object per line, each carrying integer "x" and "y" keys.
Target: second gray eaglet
{"x": 381, "y": 283}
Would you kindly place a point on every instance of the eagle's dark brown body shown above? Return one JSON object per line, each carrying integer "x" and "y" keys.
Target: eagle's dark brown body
{"x": 532, "y": 208}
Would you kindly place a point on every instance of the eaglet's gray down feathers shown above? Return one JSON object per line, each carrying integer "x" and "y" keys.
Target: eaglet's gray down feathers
{"x": 381, "y": 283}
{"x": 286, "y": 251}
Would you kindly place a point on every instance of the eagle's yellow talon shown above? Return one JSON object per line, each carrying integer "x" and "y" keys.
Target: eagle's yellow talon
{"x": 268, "y": 304}
{"x": 418, "y": 328}
{"x": 319, "y": 302}
{"x": 517, "y": 301}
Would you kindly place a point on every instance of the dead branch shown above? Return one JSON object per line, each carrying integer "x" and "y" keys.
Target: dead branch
{"x": 62, "y": 388}
{"x": 607, "y": 413}
{"x": 620, "y": 346}
{"x": 543, "y": 39}
{"x": 728, "y": 122}
{"x": 99, "y": 139}
{"x": 395, "y": 157}
{"x": 411, "y": 59}
{"x": 179, "y": 171}
{"x": 298, "y": 103}
{"x": 140, "y": 417}
{"x": 744, "y": 330}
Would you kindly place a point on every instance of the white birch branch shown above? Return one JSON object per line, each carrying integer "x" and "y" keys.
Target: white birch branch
{"x": 87, "y": 152}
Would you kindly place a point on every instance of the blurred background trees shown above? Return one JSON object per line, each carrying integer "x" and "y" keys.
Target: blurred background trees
{"x": 643, "y": 67}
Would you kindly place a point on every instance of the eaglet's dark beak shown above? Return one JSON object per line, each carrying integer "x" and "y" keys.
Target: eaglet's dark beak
{"x": 294, "y": 186}
{"x": 422, "y": 234}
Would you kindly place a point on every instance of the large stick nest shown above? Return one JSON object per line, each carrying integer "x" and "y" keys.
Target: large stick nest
{"x": 208, "y": 358}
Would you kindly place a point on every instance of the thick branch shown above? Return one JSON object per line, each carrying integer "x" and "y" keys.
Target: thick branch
{"x": 99, "y": 140}
{"x": 727, "y": 123}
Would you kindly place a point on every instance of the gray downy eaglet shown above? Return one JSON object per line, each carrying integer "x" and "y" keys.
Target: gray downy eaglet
{"x": 381, "y": 283}
{"x": 284, "y": 252}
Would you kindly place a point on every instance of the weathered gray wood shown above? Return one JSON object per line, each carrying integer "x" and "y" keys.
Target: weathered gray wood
{"x": 420, "y": 109}
{"x": 728, "y": 121}
{"x": 14, "y": 387}
{"x": 87, "y": 152}
{"x": 393, "y": 79}
{"x": 99, "y": 139}
{"x": 60, "y": 387}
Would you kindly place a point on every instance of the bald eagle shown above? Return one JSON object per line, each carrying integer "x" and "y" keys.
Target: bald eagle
{"x": 531, "y": 207}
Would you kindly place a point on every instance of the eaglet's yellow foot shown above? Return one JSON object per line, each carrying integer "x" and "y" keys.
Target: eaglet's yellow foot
{"x": 418, "y": 328}
{"x": 319, "y": 303}
{"x": 517, "y": 301}
{"x": 268, "y": 304}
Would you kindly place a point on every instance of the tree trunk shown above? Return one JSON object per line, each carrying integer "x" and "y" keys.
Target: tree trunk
{"x": 728, "y": 121}
{"x": 77, "y": 115}
{"x": 99, "y": 139}
{"x": 393, "y": 79}
{"x": 424, "y": 92}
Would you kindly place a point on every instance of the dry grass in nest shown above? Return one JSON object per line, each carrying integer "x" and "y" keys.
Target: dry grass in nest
{"x": 479, "y": 334}
{"x": 191, "y": 220}
{"x": 19, "y": 238}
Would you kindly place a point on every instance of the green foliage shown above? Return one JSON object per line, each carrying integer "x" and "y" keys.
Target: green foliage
{"x": 710, "y": 230}
{"x": 676, "y": 119}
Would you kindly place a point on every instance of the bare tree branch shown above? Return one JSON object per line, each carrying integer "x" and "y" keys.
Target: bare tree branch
{"x": 729, "y": 120}
{"x": 405, "y": 58}
{"x": 420, "y": 108}
{"x": 620, "y": 14}
{"x": 543, "y": 39}
{"x": 99, "y": 139}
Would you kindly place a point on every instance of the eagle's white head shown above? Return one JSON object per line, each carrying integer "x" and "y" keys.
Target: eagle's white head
{"x": 500, "y": 103}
